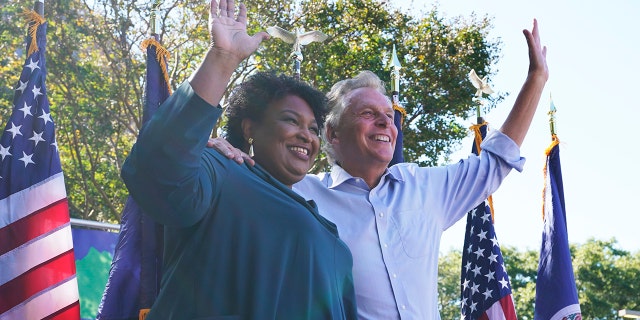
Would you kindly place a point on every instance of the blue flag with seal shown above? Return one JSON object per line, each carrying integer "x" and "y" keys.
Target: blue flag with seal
{"x": 134, "y": 278}
{"x": 556, "y": 293}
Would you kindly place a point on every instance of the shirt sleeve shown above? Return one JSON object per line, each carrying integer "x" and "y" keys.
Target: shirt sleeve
{"x": 165, "y": 172}
{"x": 462, "y": 186}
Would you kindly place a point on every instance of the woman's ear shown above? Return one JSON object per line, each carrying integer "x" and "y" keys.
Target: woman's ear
{"x": 247, "y": 129}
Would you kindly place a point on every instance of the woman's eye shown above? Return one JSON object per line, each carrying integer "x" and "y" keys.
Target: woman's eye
{"x": 291, "y": 120}
{"x": 316, "y": 131}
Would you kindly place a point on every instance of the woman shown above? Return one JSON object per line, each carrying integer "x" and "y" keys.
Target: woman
{"x": 239, "y": 243}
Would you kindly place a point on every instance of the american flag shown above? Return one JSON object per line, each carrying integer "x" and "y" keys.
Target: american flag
{"x": 38, "y": 276}
{"x": 485, "y": 287}
{"x": 556, "y": 293}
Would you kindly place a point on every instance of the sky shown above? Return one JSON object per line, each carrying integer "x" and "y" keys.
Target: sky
{"x": 593, "y": 54}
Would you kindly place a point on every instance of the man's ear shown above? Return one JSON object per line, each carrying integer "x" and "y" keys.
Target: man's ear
{"x": 332, "y": 134}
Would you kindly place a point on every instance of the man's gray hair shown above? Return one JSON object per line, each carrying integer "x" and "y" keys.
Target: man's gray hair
{"x": 339, "y": 100}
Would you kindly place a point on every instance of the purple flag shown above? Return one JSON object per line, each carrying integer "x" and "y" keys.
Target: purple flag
{"x": 134, "y": 278}
{"x": 556, "y": 293}
{"x": 485, "y": 289}
{"x": 398, "y": 118}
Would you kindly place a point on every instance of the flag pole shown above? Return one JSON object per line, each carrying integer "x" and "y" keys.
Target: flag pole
{"x": 552, "y": 117}
{"x": 395, "y": 77}
{"x": 153, "y": 25}
{"x": 298, "y": 39}
{"x": 398, "y": 110}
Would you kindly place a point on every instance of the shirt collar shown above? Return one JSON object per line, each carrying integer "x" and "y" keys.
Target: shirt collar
{"x": 340, "y": 176}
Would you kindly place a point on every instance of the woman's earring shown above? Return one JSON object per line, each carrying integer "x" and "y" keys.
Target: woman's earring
{"x": 250, "y": 147}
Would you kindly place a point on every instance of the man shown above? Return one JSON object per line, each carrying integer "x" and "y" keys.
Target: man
{"x": 392, "y": 218}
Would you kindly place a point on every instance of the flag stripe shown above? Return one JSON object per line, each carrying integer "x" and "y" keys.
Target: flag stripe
{"x": 46, "y": 303}
{"x": 40, "y": 195}
{"x": 37, "y": 279}
{"x": 18, "y": 261}
{"x": 508, "y": 308}
{"x": 34, "y": 225}
{"x": 70, "y": 312}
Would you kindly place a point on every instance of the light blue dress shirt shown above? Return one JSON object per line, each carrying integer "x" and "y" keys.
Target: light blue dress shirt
{"x": 394, "y": 229}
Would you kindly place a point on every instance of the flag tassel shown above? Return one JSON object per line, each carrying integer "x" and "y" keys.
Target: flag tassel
{"x": 162, "y": 55}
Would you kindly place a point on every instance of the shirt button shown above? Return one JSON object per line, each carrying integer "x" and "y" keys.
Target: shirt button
{"x": 385, "y": 245}
{"x": 404, "y": 307}
{"x": 394, "y": 275}
{"x": 381, "y": 214}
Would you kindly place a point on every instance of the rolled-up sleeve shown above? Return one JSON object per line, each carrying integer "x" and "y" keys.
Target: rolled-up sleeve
{"x": 502, "y": 146}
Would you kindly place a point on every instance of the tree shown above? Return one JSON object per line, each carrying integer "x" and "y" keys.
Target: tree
{"x": 96, "y": 72}
{"x": 607, "y": 279}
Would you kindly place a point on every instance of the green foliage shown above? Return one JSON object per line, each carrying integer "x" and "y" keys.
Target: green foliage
{"x": 607, "y": 279}
{"x": 449, "y": 268}
{"x": 96, "y": 72}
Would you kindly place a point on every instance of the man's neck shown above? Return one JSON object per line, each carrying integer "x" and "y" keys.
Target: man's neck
{"x": 369, "y": 173}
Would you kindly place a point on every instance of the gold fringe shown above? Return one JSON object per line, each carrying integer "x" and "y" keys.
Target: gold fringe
{"x": 402, "y": 111}
{"x": 478, "y": 140}
{"x": 34, "y": 20}
{"x": 143, "y": 314}
{"x": 554, "y": 142}
{"x": 162, "y": 55}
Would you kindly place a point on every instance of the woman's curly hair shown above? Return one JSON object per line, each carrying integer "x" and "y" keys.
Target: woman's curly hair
{"x": 251, "y": 98}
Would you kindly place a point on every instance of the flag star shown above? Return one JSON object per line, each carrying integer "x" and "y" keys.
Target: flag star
{"x": 26, "y": 110}
{"x": 37, "y": 137}
{"x": 465, "y": 284}
{"x": 46, "y": 117}
{"x": 4, "y": 151}
{"x": 504, "y": 282}
{"x": 33, "y": 65}
{"x": 22, "y": 86}
{"x": 55, "y": 144}
{"x": 476, "y": 270}
{"x": 473, "y": 213}
{"x": 504, "y": 268}
{"x": 36, "y": 92}
{"x": 463, "y": 303}
{"x": 15, "y": 130}
{"x": 469, "y": 249}
{"x": 490, "y": 276}
{"x": 471, "y": 230}
{"x": 473, "y": 306}
{"x": 486, "y": 217}
{"x": 494, "y": 240}
{"x": 479, "y": 253}
{"x": 474, "y": 289}
{"x": 468, "y": 266}
{"x": 493, "y": 258}
{"x": 482, "y": 235}
{"x": 487, "y": 294}
{"x": 26, "y": 159}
